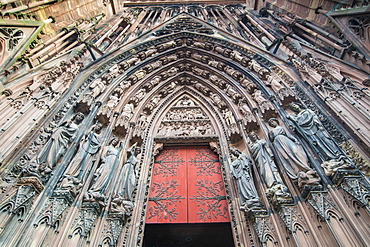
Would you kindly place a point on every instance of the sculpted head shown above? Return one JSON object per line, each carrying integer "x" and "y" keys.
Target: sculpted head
{"x": 273, "y": 122}
{"x": 97, "y": 127}
{"x": 234, "y": 151}
{"x": 253, "y": 136}
{"x": 78, "y": 118}
{"x": 295, "y": 107}
{"x": 114, "y": 141}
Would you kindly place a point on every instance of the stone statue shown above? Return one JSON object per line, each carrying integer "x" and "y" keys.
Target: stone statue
{"x": 110, "y": 156}
{"x": 241, "y": 170}
{"x": 309, "y": 125}
{"x": 228, "y": 116}
{"x": 97, "y": 87}
{"x": 59, "y": 141}
{"x": 277, "y": 191}
{"x": 308, "y": 178}
{"x": 127, "y": 181}
{"x": 90, "y": 145}
{"x": 263, "y": 157}
{"x": 291, "y": 154}
{"x": 120, "y": 206}
{"x": 113, "y": 100}
{"x": 128, "y": 111}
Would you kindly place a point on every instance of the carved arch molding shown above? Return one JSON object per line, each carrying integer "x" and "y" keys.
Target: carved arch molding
{"x": 191, "y": 79}
{"x": 179, "y": 88}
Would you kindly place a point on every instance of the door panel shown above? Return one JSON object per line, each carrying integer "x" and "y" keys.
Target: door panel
{"x": 187, "y": 187}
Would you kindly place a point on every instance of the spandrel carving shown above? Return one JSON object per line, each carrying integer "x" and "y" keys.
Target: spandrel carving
{"x": 241, "y": 168}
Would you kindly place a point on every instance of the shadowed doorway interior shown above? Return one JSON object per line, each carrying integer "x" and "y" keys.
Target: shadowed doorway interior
{"x": 189, "y": 235}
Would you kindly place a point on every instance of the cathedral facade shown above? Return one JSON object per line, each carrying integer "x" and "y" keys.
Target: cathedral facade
{"x": 216, "y": 123}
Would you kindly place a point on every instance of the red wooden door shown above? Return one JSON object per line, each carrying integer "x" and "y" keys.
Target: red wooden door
{"x": 187, "y": 187}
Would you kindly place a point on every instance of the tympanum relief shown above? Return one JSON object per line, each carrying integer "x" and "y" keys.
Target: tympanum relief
{"x": 185, "y": 119}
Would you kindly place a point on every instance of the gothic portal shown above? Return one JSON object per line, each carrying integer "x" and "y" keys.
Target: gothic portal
{"x": 157, "y": 124}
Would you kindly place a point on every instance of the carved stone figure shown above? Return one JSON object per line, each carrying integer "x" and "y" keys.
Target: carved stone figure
{"x": 228, "y": 116}
{"x": 231, "y": 92}
{"x": 291, "y": 154}
{"x": 97, "y": 87}
{"x": 258, "y": 96}
{"x": 109, "y": 157}
{"x": 127, "y": 112}
{"x": 308, "y": 178}
{"x": 152, "y": 83}
{"x": 153, "y": 103}
{"x": 253, "y": 64}
{"x": 121, "y": 206}
{"x": 127, "y": 180}
{"x": 112, "y": 101}
{"x": 263, "y": 157}
{"x": 330, "y": 167}
{"x": 89, "y": 146}
{"x": 216, "y": 99}
{"x": 311, "y": 128}
{"x": 241, "y": 168}
{"x": 274, "y": 82}
{"x": 138, "y": 96}
{"x": 59, "y": 141}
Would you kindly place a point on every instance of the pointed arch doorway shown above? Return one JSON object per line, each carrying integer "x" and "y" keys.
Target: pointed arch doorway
{"x": 187, "y": 201}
